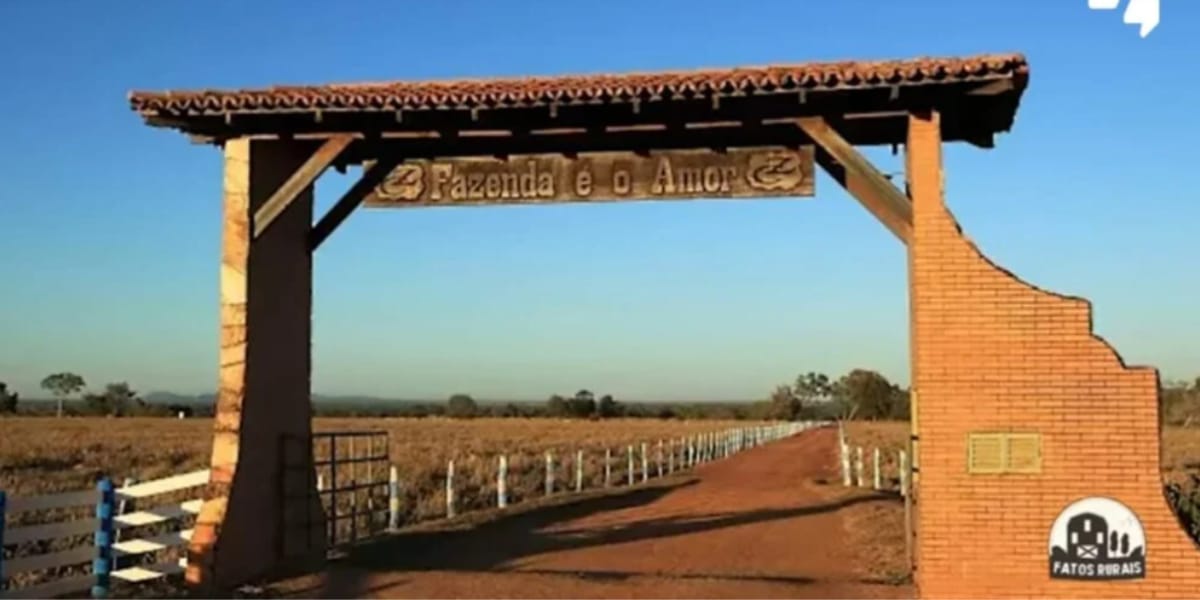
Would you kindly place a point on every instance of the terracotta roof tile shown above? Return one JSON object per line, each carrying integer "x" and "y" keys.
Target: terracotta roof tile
{"x": 580, "y": 89}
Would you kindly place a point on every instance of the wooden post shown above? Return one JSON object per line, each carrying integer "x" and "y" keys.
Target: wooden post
{"x": 660, "y": 459}
{"x": 103, "y": 539}
{"x": 671, "y": 457}
{"x": 393, "y": 498}
{"x": 607, "y": 467}
{"x": 878, "y": 476}
{"x": 579, "y": 470}
{"x": 847, "y": 479}
{"x": 549, "y": 473}
{"x": 858, "y": 466}
{"x": 903, "y": 460}
{"x": 645, "y": 464}
{"x": 502, "y": 483}
{"x": 450, "y": 489}
{"x": 629, "y": 468}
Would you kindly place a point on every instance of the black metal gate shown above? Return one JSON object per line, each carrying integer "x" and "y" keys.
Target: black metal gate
{"x": 339, "y": 498}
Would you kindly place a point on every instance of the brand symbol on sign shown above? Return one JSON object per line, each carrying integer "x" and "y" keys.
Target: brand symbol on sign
{"x": 405, "y": 182}
{"x": 1139, "y": 12}
{"x": 1097, "y": 539}
{"x": 774, "y": 171}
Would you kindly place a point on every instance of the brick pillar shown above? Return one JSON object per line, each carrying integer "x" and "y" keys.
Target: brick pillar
{"x": 263, "y": 394}
{"x": 992, "y": 353}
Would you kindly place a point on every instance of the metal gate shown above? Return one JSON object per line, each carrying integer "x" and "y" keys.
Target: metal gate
{"x": 342, "y": 497}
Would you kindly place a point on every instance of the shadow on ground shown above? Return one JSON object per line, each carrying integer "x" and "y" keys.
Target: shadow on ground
{"x": 492, "y": 546}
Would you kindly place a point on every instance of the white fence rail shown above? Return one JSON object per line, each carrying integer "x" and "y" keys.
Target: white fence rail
{"x": 100, "y": 557}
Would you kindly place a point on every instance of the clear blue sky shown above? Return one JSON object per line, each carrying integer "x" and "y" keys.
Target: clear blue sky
{"x": 109, "y": 250}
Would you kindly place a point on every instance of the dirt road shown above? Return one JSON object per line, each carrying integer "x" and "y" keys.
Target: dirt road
{"x": 762, "y": 524}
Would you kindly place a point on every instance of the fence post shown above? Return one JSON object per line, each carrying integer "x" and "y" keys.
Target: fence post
{"x": 845, "y": 450}
{"x": 878, "y": 476}
{"x": 645, "y": 464}
{"x": 3, "y": 508}
{"x": 660, "y": 459}
{"x": 103, "y": 538}
{"x": 502, "y": 483}
{"x": 903, "y": 458}
{"x": 858, "y": 466}
{"x": 393, "y": 498}
{"x": 670, "y": 457}
{"x": 549, "y": 473}
{"x": 629, "y": 468}
{"x": 579, "y": 470}
{"x": 450, "y": 489}
{"x": 607, "y": 467}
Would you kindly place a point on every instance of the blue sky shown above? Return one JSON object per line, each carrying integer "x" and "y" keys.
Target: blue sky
{"x": 109, "y": 251}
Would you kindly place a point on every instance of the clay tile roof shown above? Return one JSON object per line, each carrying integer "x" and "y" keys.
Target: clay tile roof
{"x": 580, "y": 89}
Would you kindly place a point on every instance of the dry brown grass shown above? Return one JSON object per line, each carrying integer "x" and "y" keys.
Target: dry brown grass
{"x": 1181, "y": 446}
{"x": 877, "y": 529}
{"x": 46, "y": 455}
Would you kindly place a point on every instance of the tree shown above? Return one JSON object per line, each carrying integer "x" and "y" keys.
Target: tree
{"x": 866, "y": 394}
{"x": 8, "y": 400}
{"x": 62, "y": 385}
{"x": 783, "y": 405}
{"x": 608, "y": 408}
{"x": 583, "y": 405}
{"x": 117, "y": 400}
{"x": 811, "y": 388}
{"x": 557, "y": 407}
{"x": 461, "y": 406}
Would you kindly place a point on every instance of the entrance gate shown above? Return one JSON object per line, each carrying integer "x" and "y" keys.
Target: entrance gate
{"x": 333, "y": 492}
{"x": 1014, "y": 398}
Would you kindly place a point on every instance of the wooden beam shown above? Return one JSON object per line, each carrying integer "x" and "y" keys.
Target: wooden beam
{"x": 371, "y": 177}
{"x": 855, "y": 173}
{"x": 299, "y": 180}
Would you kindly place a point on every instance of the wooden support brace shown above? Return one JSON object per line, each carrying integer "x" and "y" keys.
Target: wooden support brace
{"x": 371, "y": 177}
{"x": 299, "y": 181}
{"x": 855, "y": 173}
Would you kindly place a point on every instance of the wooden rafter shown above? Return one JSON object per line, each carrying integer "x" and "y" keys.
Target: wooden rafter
{"x": 855, "y": 173}
{"x": 371, "y": 177}
{"x": 299, "y": 180}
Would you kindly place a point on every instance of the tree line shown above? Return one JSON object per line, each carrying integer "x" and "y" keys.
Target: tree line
{"x": 859, "y": 394}
{"x": 116, "y": 399}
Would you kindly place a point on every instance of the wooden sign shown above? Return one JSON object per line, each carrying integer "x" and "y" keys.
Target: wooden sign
{"x": 598, "y": 177}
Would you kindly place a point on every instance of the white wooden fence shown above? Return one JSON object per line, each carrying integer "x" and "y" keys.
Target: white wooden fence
{"x": 854, "y": 467}
{"x": 99, "y": 558}
{"x": 639, "y": 464}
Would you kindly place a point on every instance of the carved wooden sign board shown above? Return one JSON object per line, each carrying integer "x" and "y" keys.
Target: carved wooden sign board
{"x": 598, "y": 177}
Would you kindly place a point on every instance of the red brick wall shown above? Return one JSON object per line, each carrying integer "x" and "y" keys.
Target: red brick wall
{"x": 993, "y": 354}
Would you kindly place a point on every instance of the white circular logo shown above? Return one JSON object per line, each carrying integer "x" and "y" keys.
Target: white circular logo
{"x": 1097, "y": 538}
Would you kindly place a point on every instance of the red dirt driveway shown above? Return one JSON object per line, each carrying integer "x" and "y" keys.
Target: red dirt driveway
{"x": 762, "y": 524}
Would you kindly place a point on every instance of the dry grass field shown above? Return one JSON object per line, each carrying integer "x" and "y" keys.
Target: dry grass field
{"x": 46, "y": 455}
{"x": 1181, "y": 446}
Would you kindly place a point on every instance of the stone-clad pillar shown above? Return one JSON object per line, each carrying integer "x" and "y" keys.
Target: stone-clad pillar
{"x": 265, "y": 365}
